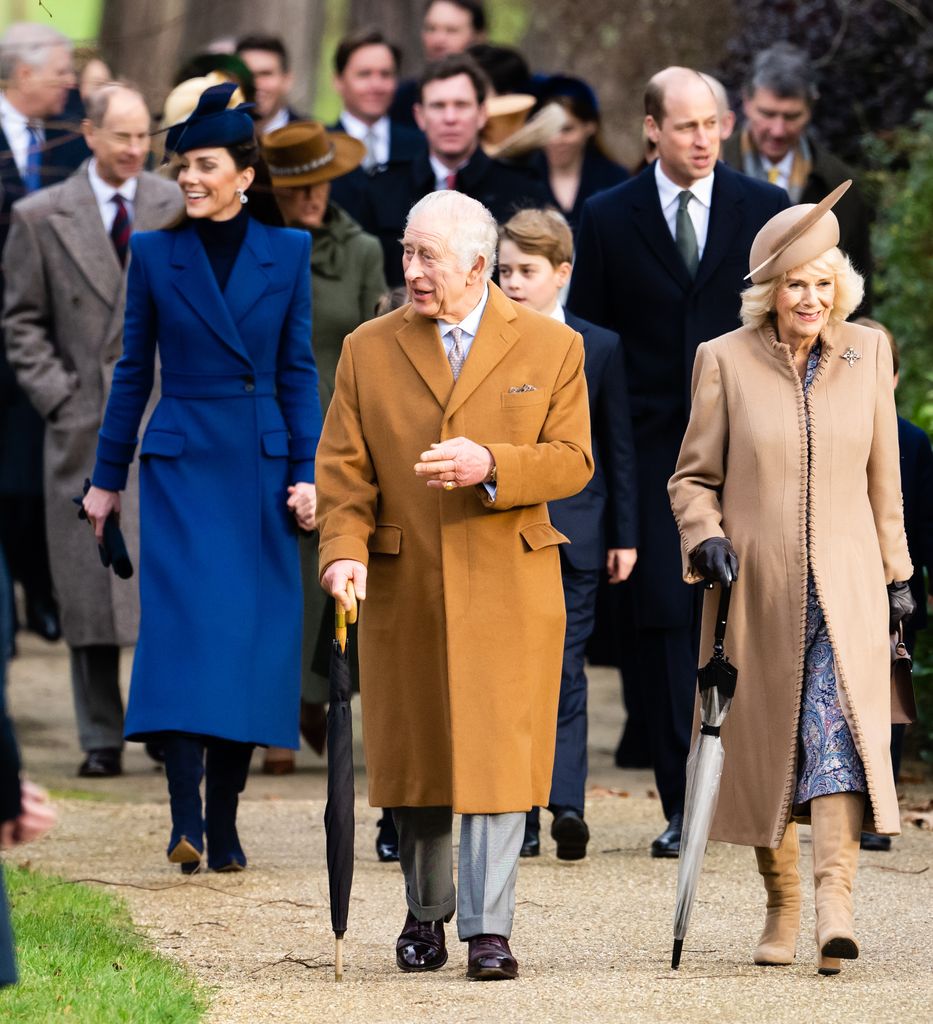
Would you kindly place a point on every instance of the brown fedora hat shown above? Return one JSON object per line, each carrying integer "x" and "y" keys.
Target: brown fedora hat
{"x": 305, "y": 153}
{"x": 794, "y": 237}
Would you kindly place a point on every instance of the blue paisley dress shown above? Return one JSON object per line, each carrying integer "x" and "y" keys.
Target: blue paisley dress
{"x": 828, "y": 762}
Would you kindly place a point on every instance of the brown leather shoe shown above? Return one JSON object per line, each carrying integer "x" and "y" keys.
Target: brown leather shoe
{"x": 421, "y": 946}
{"x": 490, "y": 959}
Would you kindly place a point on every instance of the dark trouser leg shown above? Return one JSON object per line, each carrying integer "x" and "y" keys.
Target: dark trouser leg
{"x": 184, "y": 769}
{"x": 95, "y": 686}
{"x": 634, "y": 749}
{"x": 668, "y": 666}
{"x": 225, "y": 779}
{"x": 22, "y": 533}
{"x": 570, "y": 761}
{"x": 427, "y": 860}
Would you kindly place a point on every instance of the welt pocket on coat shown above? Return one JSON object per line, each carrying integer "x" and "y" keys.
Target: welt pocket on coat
{"x": 275, "y": 443}
{"x": 541, "y": 535}
{"x": 166, "y": 443}
{"x": 523, "y": 399}
{"x": 386, "y": 540}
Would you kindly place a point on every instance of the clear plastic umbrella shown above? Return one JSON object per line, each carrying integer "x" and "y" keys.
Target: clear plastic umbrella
{"x": 716, "y": 682}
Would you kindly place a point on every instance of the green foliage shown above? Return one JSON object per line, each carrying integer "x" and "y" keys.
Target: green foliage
{"x": 903, "y": 247}
{"x": 80, "y": 960}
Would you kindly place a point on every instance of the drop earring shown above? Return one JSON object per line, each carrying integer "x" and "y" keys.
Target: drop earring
{"x": 244, "y": 198}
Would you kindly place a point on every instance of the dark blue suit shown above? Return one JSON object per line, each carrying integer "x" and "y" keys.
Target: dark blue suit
{"x": 601, "y": 516}
{"x": 238, "y": 421}
{"x": 630, "y": 277}
{"x": 405, "y": 143}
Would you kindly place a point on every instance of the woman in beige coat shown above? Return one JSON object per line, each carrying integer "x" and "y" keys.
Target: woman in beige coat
{"x": 789, "y": 469}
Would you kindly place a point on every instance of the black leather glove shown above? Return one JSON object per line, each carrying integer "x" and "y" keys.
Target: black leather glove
{"x": 716, "y": 561}
{"x": 901, "y": 604}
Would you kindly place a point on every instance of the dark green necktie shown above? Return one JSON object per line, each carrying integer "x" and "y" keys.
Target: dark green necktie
{"x": 686, "y": 237}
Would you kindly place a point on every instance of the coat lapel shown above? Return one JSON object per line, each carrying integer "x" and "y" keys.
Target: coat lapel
{"x": 78, "y": 225}
{"x": 495, "y": 337}
{"x": 193, "y": 277}
{"x": 420, "y": 341}
{"x": 725, "y": 218}
{"x": 249, "y": 278}
{"x": 651, "y": 225}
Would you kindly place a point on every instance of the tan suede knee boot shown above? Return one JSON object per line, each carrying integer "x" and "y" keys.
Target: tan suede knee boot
{"x": 778, "y": 870}
{"x": 836, "y": 822}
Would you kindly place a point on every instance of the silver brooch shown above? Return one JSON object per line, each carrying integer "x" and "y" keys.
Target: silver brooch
{"x": 851, "y": 356}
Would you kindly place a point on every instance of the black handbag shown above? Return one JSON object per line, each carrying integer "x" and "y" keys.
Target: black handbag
{"x": 903, "y": 701}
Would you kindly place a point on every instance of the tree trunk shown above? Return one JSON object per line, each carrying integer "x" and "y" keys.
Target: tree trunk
{"x": 617, "y": 46}
{"x": 147, "y": 40}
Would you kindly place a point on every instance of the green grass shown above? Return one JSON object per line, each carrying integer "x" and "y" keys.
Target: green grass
{"x": 80, "y": 960}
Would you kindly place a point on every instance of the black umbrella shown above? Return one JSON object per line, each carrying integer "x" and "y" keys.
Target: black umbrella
{"x": 338, "y": 814}
{"x": 716, "y": 682}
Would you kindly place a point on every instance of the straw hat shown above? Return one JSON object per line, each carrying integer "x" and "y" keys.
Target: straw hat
{"x": 535, "y": 133}
{"x": 305, "y": 153}
{"x": 794, "y": 237}
{"x": 505, "y": 115}
{"x": 181, "y": 101}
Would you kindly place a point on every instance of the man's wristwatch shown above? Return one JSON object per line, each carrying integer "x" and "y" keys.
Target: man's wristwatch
{"x": 493, "y": 475}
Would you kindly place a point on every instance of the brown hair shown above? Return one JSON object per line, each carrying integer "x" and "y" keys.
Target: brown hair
{"x": 864, "y": 321}
{"x": 449, "y": 67}
{"x": 356, "y": 41}
{"x": 540, "y": 233}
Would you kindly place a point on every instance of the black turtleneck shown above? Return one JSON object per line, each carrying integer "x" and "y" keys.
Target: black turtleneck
{"x": 222, "y": 240}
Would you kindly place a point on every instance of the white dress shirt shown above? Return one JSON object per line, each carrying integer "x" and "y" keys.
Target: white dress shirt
{"x": 557, "y": 313}
{"x": 104, "y": 194}
{"x": 374, "y": 136}
{"x": 16, "y": 129}
{"x": 698, "y": 207}
{"x": 278, "y": 120}
{"x": 442, "y": 171}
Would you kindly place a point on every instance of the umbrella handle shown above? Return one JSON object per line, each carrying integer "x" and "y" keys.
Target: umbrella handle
{"x": 722, "y": 615}
{"x": 343, "y": 617}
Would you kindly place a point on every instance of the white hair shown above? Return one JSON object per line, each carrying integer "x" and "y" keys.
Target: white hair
{"x": 26, "y": 42}
{"x": 475, "y": 231}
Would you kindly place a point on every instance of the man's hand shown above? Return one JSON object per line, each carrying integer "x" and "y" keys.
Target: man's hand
{"x": 98, "y": 504}
{"x": 338, "y": 574}
{"x": 303, "y": 503}
{"x": 620, "y": 562}
{"x": 457, "y": 462}
{"x": 35, "y": 819}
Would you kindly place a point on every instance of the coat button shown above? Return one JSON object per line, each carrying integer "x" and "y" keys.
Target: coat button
{"x": 249, "y": 384}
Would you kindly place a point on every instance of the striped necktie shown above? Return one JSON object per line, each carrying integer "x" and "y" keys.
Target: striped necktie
{"x": 455, "y": 356}
{"x": 32, "y": 179}
{"x": 120, "y": 232}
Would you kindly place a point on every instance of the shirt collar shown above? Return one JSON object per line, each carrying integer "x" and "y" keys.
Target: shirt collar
{"x": 104, "y": 192}
{"x": 557, "y": 313}
{"x": 441, "y": 170}
{"x": 470, "y": 323}
{"x": 668, "y": 192}
{"x": 359, "y": 129}
{"x": 278, "y": 120}
{"x": 10, "y": 114}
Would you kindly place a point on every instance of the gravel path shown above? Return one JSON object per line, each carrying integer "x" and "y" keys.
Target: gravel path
{"x": 592, "y": 938}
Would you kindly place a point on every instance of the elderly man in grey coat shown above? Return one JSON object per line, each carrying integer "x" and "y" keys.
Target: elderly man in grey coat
{"x": 65, "y": 266}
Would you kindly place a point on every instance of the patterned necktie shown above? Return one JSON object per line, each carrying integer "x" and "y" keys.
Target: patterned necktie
{"x": 32, "y": 179}
{"x": 370, "y": 163}
{"x": 120, "y": 232}
{"x": 452, "y": 181}
{"x": 773, "y": 175}
{"x": 455, "y": 356}
{"x": 686, "y": 236}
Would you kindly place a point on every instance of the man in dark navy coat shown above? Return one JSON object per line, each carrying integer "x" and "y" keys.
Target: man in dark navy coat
{"x": 451, "y": 113}
{"x": 366, "y": 75}
{"x": 535, "y": 255}
{"x": 40, "y": 144}
{"x": 660, "y": 260}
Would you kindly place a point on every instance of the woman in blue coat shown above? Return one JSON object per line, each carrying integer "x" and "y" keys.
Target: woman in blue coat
{"x": 227, "y": 467}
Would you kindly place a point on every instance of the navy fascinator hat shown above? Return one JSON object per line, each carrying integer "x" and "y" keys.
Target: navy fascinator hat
{"x": 211, "y": 123}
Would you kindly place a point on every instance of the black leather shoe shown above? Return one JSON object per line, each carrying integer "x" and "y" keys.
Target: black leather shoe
{"x": 668, "y": 842}
{"x": 387, "y": 838}
{"x": 101, "y": 764}
{"x": 875, "y": 843}
{"x": 571, "y": 833}
{"x": 531, "y": 844}
{"x": 490, "y": 959}
{"x": 42, "y": 618}
{"x": 421, "y": 946}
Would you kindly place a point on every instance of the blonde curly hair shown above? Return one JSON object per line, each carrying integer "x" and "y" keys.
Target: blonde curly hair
{"x": 758, "y": 300}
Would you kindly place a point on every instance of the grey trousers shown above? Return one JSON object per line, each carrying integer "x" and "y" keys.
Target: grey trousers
{"x": 95, "y": 686}
{"x": 486, "y": 872}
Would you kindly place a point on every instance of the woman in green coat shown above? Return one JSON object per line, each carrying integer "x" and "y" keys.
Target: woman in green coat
{"x": 346, "y": 283}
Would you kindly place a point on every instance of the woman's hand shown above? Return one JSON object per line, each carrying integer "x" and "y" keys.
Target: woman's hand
{"x": 98, "y": 504}
{"x": 35, "y": 818}
{"x": 901, "y": 604}
{"x": 716, "y": 561}
{"x": 303, "y": 503}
